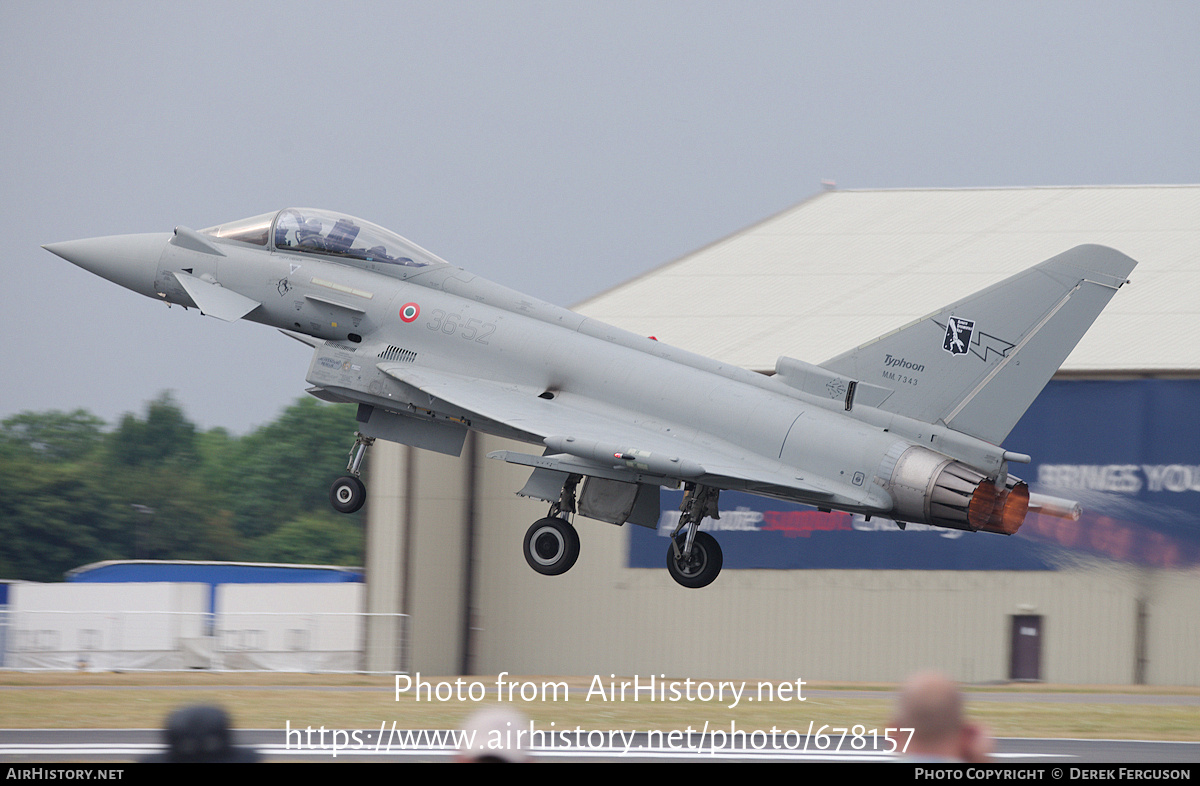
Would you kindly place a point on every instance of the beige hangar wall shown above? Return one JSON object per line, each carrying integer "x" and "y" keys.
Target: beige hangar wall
{"x": 819, "y": 625}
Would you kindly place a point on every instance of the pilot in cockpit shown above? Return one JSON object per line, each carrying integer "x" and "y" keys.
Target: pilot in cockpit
{"x": 307, "y": 230}
{"x": 308, "y": 234}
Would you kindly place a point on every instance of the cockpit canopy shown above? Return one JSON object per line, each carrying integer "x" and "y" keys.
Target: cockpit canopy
{"x": 310, "y": 231}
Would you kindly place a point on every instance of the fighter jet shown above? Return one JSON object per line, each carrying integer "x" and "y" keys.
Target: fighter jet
{"x": 906, "y": 427}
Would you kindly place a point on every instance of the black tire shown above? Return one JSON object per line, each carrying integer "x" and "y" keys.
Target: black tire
{"x": 347, "y": 494}
{"x": 551, "y": 546}
{"x": 704, "y": 565}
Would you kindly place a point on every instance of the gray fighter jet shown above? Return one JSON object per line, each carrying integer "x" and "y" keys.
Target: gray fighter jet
{"x": 907, "y": 426}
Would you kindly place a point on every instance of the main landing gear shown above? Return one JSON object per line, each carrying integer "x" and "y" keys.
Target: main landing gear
{"x": 348, "y": 492}
{"x": 694, "y": 558}
{"x": 552, "y": 544}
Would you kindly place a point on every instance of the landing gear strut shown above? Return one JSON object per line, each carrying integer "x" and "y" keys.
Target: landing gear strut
{"x": 694, "y": 558}
{"x": 551, "y": 544}
{"x": 348, "y": 492}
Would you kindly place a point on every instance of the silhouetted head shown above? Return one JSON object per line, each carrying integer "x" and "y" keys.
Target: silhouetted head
{"x": 931, "y": 704}
{"x": 494, "y": 734}
{"x": 201, "y": 734}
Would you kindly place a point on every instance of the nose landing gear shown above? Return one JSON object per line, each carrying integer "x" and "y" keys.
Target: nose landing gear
{"x": 348, "y": 492}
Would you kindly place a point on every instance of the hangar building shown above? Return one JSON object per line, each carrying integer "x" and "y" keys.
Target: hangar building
{"x": 1110, "y": 599}
{"x": 182, "y": 614}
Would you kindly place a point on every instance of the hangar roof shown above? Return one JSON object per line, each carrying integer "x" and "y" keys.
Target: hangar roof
{"x": 846, "y": 266}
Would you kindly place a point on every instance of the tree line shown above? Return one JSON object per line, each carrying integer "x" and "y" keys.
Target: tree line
{"x": 74, "y": 490}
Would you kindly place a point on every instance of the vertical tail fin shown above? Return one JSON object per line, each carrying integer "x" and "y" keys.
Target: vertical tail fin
{"x": 978, "y": 364}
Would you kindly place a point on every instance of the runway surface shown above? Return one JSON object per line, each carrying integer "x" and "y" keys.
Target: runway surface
{"x": 388, "y": 743}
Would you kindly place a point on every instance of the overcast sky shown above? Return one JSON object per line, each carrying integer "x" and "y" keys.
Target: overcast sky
{"x": 556, "y": 147}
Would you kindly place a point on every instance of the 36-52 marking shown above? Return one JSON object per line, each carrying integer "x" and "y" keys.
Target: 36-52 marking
{"x": 472, "y": 330}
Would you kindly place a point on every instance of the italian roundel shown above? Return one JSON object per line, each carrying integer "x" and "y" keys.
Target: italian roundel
{"x": 410, "y": 311}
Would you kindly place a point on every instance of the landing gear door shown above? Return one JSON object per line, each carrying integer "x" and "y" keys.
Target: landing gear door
{"x": 544, "y": 484}
{"x": 617, "y": 502}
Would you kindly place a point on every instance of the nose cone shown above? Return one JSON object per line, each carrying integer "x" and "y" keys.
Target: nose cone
{"x": 128, "y": 260}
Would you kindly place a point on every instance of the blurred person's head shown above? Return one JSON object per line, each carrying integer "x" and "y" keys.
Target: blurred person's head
{"x": 931, "y": 705}
{"x": 494, "y": 734}
{"x": 200, "y": 733}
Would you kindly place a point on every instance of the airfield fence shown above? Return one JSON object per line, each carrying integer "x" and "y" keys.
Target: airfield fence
{"x": 329, "y": 642}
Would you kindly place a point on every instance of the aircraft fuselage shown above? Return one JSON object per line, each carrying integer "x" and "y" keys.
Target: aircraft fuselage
{"x": 429, "y": 350}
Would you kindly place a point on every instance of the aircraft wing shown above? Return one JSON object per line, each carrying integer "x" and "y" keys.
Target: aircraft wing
{"x": 585, "y": 436}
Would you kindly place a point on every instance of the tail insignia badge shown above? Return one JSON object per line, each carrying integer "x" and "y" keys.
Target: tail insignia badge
{"x": 959, "y": 332}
